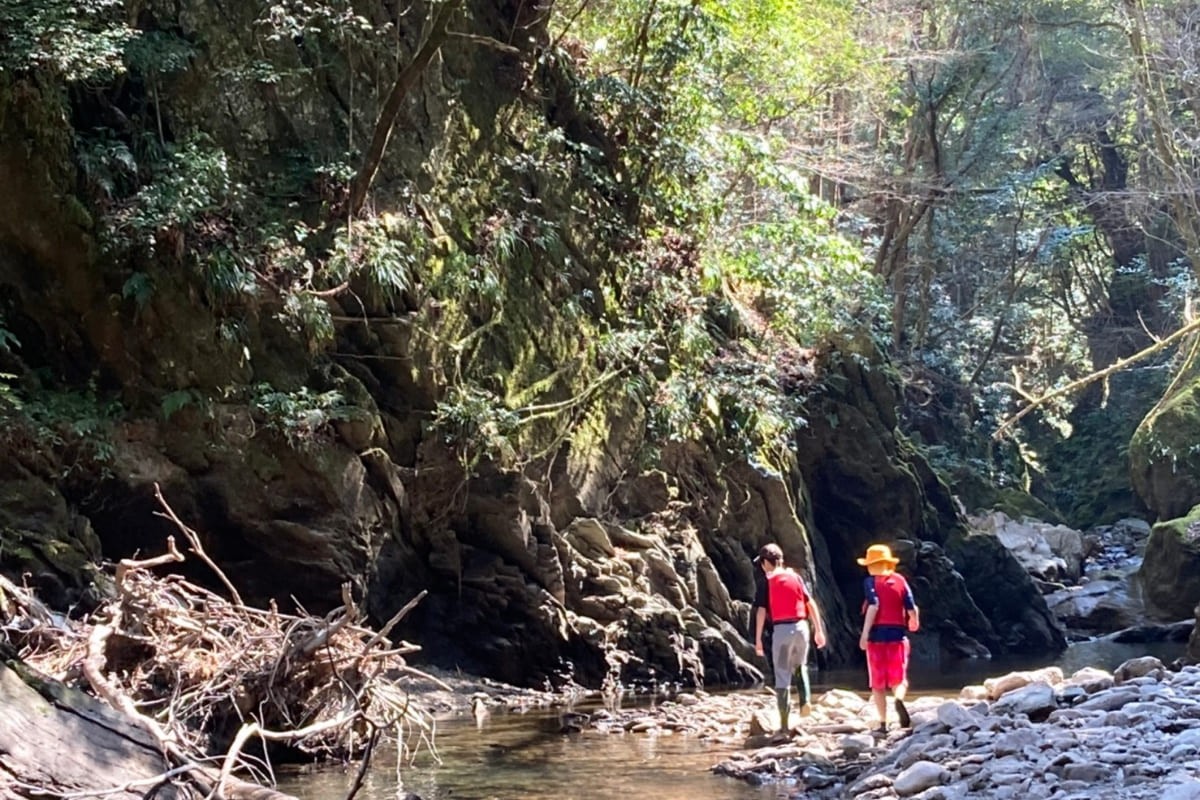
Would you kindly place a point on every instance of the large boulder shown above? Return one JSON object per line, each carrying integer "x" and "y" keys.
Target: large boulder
{"x": 1048, "y": 552}
{"x": 1007, "y": 596}
{"x": 1099, "y": 606}
{"x": 1170, "y": 571}
{"x": 1164, "y": 462}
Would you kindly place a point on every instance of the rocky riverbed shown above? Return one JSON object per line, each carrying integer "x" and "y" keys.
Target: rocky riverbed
{"x": 1133, "y": 733}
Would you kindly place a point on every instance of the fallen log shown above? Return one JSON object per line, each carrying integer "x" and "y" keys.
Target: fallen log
{"x": 58, "y": 740}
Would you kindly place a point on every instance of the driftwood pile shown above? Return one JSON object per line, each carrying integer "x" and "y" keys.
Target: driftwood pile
{"x": 206, "y": 689}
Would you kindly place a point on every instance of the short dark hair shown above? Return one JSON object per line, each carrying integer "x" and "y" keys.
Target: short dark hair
{"x": 772, "y": 553}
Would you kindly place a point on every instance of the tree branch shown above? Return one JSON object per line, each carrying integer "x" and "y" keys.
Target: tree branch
{"x": 1115, "y": 367}
{"x": 438, "y": 33}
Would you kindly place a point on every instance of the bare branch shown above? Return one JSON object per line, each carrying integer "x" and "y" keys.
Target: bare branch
{"x": 194, "y": 541}
{"x": 1111, "y": 369}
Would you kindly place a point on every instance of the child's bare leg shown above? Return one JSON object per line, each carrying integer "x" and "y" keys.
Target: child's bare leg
{"x": 880, "y": 698}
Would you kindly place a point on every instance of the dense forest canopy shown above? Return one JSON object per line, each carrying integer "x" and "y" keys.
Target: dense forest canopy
{"x": 1003, "y": 192}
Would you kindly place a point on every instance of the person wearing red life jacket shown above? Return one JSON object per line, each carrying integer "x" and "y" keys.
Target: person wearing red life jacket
{"x": 890, "y": 615}
{"x": 791, "y": 610}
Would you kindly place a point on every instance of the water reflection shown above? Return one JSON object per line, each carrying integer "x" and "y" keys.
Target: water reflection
{"x": 523, "y": 756}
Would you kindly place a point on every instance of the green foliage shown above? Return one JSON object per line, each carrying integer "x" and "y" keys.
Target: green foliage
{"x": 385, "y": 251}
{"x": 138, "y": 287}
{"x": 476, "y": 424}
{"x": 75, "y": 426}
{"x": 107, "y": 164}
{"x": 193, "y": 181}
{"x": 308, "y": 316}
{"x": 809, "y": 279}
{"x": 176, "y": 401}
{"x": 76, "y": 39}
{"x": 300, "y": 416}
{"x": 155, "y": 52}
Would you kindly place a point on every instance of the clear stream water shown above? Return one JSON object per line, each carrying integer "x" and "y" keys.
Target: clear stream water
{"x": 524, "y": 757}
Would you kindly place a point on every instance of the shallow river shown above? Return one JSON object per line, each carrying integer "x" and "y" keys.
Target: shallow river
{"x": 524, "y": 757}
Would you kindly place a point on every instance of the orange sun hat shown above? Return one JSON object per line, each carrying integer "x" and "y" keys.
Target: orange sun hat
{"x": 877, "y": 553}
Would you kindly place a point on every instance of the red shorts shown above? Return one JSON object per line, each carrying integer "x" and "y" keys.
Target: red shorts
{"x": 887, "y": 664}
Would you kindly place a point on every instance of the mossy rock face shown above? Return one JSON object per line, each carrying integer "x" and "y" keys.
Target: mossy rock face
{"x": 44, "y": 543}
{"x": 1170, "y": 571}
{"x": 1018, "y": 503}
{"x": 1164, "y": 455}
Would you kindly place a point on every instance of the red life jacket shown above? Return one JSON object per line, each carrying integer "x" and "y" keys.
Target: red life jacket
{"x": 787, "y": 598}
{"x": 891, "y": 590}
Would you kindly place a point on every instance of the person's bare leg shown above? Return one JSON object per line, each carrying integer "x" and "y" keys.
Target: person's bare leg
{"x": 880, "y": 698}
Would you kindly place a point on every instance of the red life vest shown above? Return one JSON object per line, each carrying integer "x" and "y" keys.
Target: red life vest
{"x": 787, "y": 599}
{"x": 891, "y": 590}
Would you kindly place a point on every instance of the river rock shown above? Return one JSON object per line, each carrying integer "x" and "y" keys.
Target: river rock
{"x": 1139, "y": 667}
{"x": 1182, "y": 791}
{"x": 919, "y": 777}
{"x": 855, "y": 744}
{"x": 955, "y": 715}
{"x": 1090, "y": 679}
{"x": 1134, "y": 741}
{"x": 1035, "y": 701}
{"x": 1100, "y": 605}
{"x": 997, "y": 687}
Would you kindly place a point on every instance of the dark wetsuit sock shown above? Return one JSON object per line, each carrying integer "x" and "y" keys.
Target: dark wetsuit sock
{"x": 902, "y": 713}
{"x": 781, "y": 701}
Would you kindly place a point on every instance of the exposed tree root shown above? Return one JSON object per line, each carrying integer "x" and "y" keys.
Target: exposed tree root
{"x": 205, "y": 676}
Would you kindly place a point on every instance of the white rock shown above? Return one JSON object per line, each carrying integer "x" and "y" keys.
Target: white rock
{"x": 1181, "y": 752}
{"x": 920, "y": 776}
{"x": 855, "y": 744}
{"x": 1109, "y": 700}
{"x": 1034, "y": 701}
{"x": 1092, "y": 680}
{"x": 998, "y": 687}
{"x": 1182, "y": 791}
{"x": 1145, "y": 666}
{"x": 973, "y": 692}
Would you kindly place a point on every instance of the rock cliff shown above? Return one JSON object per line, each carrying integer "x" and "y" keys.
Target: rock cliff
{"x": 469, "y": 416}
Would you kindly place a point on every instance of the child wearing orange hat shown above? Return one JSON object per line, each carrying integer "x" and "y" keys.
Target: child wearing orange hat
{"x": 891, "y": 614}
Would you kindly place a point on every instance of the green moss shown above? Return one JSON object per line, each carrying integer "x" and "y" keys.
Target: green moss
{"x": 1164, "y": 454}
{"x": 1170, "y": 571}
{"x": 1017, "y": 503}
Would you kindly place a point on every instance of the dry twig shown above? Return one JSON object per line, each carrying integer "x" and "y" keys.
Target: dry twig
{"x": 217, "y": 672}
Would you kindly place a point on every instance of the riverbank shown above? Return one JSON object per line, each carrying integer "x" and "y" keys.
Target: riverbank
{"x": 1132, "y": 733}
